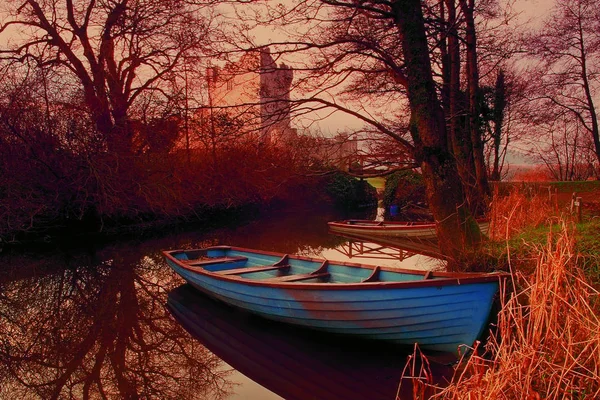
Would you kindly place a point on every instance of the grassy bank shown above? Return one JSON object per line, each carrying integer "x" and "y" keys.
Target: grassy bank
{"x": 546, "y": 342}
{"x": 560, "y": 186}
{"x": 378, "y": 183}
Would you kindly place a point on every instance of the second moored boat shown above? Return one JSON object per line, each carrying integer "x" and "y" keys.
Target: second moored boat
{"x": 413, "y": 230}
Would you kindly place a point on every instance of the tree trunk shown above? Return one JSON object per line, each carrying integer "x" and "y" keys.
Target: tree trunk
{"x": 482, "y": 191}
{"x": 590, "y": 104}
{"x": 445, "y": 58}
{"x": 498, "y": 119}
{"x": 457, "y": 232}
{"x": 456, "y": 111}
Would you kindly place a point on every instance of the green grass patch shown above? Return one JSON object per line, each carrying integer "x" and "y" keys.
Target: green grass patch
{"x": 588, "y": 237}
{"x": 523, "y": 247}
{"x": 377, "y": 183}
{"x": 561, "y": 186}
{"x": 577, "y": 186}
{"x": 527, "y": 245}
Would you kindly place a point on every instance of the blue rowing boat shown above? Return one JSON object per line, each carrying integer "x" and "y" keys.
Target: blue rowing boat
{"x": 438, "y": 310}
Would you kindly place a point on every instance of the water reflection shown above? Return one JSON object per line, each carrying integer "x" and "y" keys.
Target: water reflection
{"x": 291, "y": 362}
{"x": 419, "y": 254}
{"x": 94, "y": 324}
{"x": 98, "y": 328}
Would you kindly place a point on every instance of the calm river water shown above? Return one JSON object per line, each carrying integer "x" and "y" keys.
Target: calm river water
{"x": 117, "y": 323}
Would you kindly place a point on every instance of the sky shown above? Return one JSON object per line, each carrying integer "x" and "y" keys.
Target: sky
{"x": 531, "y": 12}
{"x": 534, "y": 10}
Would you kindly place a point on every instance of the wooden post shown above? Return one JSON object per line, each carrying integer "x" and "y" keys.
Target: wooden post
{"x": 578, "y": 208}
{"x": 573, "y": 196}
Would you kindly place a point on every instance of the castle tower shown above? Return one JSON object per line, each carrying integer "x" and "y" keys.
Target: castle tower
{"x": 275, "y": 87}
{"x": 257, "y": 88}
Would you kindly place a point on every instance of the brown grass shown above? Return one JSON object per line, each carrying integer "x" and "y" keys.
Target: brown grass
{"x": 417, "y": 372}
{"x": 548, "y": 337}
{"x": 547, "y": 340}
{"x": 512, "y": 213}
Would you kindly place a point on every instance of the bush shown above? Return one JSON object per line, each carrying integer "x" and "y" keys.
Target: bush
{"x": 406, "y": 190}
{"x": 350, "y": 193}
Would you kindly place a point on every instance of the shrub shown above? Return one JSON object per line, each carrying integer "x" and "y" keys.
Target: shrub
{"x": 406, "y": 190}
{"x": 350, "y": 193}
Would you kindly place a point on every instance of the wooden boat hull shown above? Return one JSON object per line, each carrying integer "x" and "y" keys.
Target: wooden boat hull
{"x": 440, "y": 313}
{"x": 412, "y": 230}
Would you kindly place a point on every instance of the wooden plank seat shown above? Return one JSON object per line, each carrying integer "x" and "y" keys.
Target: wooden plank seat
{"x": 247, "y": 270}
{"x": 320, "y": 272}
{"x": 219, "y": 260}
{"x": 282, "y": 264}
{"x": 299, "y": 277}
{"x": 374, "y": 277}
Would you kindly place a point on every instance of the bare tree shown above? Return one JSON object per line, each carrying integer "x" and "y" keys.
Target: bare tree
{"x": 568, "y": 47}
{"x": 396, "y": 66}
{"x": 507, "y": 117}
{"x": 116, "y": 50}
{"x": 500, "y": 102}
{"x": 41, "y": 130}
{"x": 564, "y": 148}
{"x": 428, "y": 130}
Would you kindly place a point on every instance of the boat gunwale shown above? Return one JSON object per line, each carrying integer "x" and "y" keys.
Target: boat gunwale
{"x": 383, "y": 225}
{"x": 365, "y": 224}
{"x": 445, "y": 278}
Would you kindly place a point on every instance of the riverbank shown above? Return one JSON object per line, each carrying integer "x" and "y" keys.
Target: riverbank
{"x": 309, "y": 194}
{"x": 546, "y": 341}
{"x": 103, "y": 232}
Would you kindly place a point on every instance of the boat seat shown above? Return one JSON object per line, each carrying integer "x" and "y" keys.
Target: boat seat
{"x": 322, "y": 268}
{"x": 374, "y": 277}
{"x": 299, "y": 277}
{"x": 282, "y": 264}
{"x": 219, "y": 260}
{"x": 247, "y": 270}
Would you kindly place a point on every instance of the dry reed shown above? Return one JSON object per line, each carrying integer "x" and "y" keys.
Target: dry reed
{"x": 548, "y": 336}
{"x": 513, "y": 213}
{"x": 417, "y": 372}
{"x": 546, "y": 344}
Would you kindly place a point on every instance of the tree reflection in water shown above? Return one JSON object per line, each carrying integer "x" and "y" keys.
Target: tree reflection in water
{"x": 96, "y": 326}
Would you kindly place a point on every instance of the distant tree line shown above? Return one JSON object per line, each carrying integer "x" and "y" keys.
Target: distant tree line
{"x": 57, "y": 173}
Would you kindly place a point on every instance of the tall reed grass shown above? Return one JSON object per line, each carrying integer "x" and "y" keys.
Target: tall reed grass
{"x": 513, "y": 213}
{"x": 546, "y": 344}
